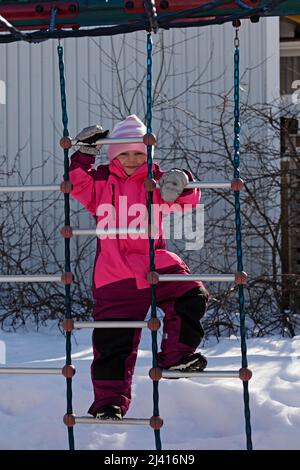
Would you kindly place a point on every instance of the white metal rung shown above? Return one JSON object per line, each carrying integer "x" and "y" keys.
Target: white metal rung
{"x": 111, "y": 324}
{"x": 209, "y": 185}
{"x": 109, "y": 231}
{"x": 124, "y": 421}
{"x": 29, "y": 278}
{"x": 56, "y": 187}
{"x": 197, "y": 277}
{"x": 206, "y": 185}
{"x": 205, "y": 374}
{"x": 31, "y": 370}
{"x": 109, "y": 141}
{"x": 20, "y": 189}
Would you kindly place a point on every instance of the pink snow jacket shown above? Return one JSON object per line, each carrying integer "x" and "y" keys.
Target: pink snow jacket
{"x": 110, "y": 195}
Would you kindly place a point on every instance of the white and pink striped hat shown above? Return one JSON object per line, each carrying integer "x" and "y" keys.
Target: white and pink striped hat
{"x": 132, "y": 126}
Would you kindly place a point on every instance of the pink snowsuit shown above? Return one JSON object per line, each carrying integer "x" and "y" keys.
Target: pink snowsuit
{"x": 120, "y": 287}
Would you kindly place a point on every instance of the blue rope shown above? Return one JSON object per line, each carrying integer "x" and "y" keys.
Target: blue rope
{"x": 151, "y": 240}
{"x": 53, "y": 19}
{"x": 67, "y": 240}
{"x": 150, "y": 10}
{"x": 241, "y": 4}
{"x": 236, "y": 163}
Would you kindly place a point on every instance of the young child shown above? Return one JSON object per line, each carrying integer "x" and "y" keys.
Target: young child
{"x": 120, "y": 288}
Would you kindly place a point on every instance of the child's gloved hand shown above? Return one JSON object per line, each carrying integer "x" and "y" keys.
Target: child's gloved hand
{"x": 172, "y": 183}
{"x": 90, "y": 135}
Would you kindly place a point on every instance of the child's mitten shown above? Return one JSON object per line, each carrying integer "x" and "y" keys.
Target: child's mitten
{"x": 172, "y": 183}
{"x": 90, "y": 135}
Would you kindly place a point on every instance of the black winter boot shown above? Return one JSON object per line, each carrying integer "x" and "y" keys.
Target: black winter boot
{"x": 109, "y": 412}
{"x": 193, "y": 363}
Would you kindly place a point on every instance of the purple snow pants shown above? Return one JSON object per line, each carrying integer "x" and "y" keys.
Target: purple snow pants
{"x": 115, "y": 349}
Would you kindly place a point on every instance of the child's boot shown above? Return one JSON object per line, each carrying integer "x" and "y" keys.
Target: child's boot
{"x": 193, "y": 363}
{"x": 109, "y": 412}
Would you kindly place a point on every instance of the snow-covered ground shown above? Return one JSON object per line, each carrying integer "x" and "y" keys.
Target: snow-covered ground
{"x": 198, "y": 414}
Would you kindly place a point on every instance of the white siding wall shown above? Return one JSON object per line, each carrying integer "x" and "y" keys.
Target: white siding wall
{"x": 30, "y": 121}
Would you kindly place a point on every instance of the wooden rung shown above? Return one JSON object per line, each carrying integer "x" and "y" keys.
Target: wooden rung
{"x": 206, "y": 374}
{"x": 20, "y": 189}
{"x": 31, "y": 278}
{"x": 111, "y": 324}
{"x": 31, "y": 370}
{"x": 124, "y": 421}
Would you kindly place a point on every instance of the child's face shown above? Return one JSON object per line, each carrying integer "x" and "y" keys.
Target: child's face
{"x": 131, "y": 160}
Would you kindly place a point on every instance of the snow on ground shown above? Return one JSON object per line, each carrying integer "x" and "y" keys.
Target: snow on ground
{"x": 198, "y": 414}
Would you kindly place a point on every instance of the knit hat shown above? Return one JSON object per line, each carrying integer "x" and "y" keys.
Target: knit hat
{"x": 132, "y": 126}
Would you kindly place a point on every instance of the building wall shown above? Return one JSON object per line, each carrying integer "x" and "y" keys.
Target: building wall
{"x": 30, "y": 115}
